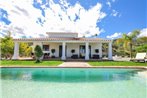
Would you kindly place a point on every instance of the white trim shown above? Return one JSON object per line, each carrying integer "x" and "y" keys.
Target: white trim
{"x": 67, "y": 41}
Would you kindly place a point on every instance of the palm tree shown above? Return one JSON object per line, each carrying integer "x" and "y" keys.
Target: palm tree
{"x": 128, "y": 40}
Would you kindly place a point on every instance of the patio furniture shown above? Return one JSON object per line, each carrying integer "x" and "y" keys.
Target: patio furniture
{"x": 74, "y": 56}
{"x": 82, "y": 55}
{"x": 46, "y": 56}
{"x": 53, "y": 51}
{"x": 95, "y": 56}
{"x": 140, "y": 57}
{"x": 32, "y": 55}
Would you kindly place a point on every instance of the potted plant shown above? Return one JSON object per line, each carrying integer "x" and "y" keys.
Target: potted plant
{"x": 96, "y": 50}
{"x": 72, "y": 51}
{"x": 53, "y": 51}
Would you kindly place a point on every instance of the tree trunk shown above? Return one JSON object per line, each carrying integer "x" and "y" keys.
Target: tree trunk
{"x": 131, "y": 50}
{"x": 37, "y": 60}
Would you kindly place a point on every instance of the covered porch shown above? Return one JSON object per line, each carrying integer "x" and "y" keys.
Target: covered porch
{"x": 68, "y": 49}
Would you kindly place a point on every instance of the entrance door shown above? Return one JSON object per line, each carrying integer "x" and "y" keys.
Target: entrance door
{"x": 60, "y": 50}
{"x": 82, "y": 51}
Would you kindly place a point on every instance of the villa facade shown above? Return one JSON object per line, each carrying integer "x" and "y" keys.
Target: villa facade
{"x": 67, "y": 45}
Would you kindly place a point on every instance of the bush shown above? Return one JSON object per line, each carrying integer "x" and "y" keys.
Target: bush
{"x": 96, "y": 50}
{"x": 72, "y": 51}
{"x": 38, "y": 53}
{"x": 53, "y": 51}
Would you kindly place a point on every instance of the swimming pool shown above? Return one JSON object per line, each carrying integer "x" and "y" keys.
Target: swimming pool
{"x": 72, "y": 83}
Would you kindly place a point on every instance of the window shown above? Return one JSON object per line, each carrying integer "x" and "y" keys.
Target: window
{"x": 45, "y": 47}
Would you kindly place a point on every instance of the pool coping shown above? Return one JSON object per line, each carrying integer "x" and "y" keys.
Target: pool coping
{"x": 129, "y": 67}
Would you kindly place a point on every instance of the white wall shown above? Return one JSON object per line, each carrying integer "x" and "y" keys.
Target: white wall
{"x": 70, "y": 46}
{"x": 77, "y": 45}
{"x": 51, "y": 46}
{"x": 56, "y": 47}
{"x": 95, "y": 46}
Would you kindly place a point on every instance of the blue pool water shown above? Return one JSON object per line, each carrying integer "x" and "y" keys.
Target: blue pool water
{"x": 72, "y": 83}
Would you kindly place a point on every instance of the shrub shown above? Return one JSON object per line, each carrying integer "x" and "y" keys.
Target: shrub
{"x": 72, "y": 51}
{"x": 96, "y": 50}
{"x": 53, "y": 51}
{"x": 38, "y": 53}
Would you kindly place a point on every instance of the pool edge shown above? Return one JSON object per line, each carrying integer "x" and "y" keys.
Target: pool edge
{"x": 129, "y": 67}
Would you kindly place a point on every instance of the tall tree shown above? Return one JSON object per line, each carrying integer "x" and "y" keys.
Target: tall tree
{"x": 25, "y": 49}
{"x": 7, "y": 46}
{"x": 141, "y": 45}
{"x": 128, "y": 41}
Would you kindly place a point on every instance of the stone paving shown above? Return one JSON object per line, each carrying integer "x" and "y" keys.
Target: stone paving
{"x": 74, "y": 64}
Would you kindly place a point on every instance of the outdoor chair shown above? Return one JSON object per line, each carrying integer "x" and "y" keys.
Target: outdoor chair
{"x": 95, "y": 56}
{"x": 46, "y": 56}
{"x": 74, "y": 56}
{"x": 140, "y": 57}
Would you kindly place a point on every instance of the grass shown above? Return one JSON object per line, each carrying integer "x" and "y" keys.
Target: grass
{"x": 56, "y": 63}
{"x": 29, "y": 63}
{"x": 117, "y": 63}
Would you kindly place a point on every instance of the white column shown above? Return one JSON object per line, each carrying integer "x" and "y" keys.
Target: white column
{"x": 110, "y": 51}
{"x": 100, "y": 50}
{"x": 87, "y": 51}
{"x": 63, "y": 51}
{"x": 16, "y": 51}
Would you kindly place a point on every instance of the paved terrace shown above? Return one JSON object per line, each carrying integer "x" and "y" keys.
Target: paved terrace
{"x": 74, "y": 64}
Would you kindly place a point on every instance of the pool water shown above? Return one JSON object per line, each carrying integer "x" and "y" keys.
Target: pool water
{"x": 72, "y": 83}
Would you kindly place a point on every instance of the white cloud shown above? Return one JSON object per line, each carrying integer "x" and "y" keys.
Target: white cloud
{"x": 115, "y": 35}
{"x": 143, "y": 33}
{"x": 115, "y": 13}
{"x": 108, "y": 3}
{"x": 129, "y": 33}
{"x": 27, "y": 23}
{"x": 23, "y": 16}
{"x": 113, "y": 0}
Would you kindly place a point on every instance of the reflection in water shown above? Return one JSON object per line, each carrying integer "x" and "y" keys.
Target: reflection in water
{"x": 16, "y": 75}
{"x": 26, "y": 76}
{"x": 67, "y": 75}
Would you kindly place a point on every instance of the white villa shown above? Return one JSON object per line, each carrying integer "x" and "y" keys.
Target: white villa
{"x": 67, "y": 45}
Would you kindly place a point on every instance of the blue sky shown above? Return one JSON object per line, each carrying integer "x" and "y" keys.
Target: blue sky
{"x": 133, "y": 16}
{"x": 106, "y": 18}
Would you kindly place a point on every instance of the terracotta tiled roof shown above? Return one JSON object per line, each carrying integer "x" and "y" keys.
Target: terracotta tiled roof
{"x": 60, "y": 39}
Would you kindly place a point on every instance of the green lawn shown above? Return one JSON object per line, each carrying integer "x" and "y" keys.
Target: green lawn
{"x": 117, "y": 63}
{"x": 29, "y": 63}
{"x": 56, "y": 63}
